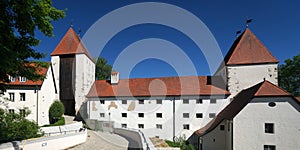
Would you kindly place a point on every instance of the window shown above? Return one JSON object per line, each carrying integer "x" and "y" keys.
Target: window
{"x": 213, "y": 101}
{"x": 269, "y": 147}
{"x": 141, "y": 101}
{"x": 124, "y": 115}
{"x": 186, "y": 126}
{"x": 124, "y": 101}
{"x": 11, "y": 111}
{"x": 185, "y": 115}
{"x": 158, "y": 115}
{"x": 12, "y": 97}
{"x": 102, "y": 115}
{"x": 124, "y": 125}
{"x": 141, "y": 126}
{"x": 199, "y": 115}
{"x": 22, "y": 79}
{"x": 269, "y": 127}
{"x": 12, "y": 79}
{"x": 199, "y": 101}
{"x": 141, "y": 115}
{"x": 102, "y": 102}
{"x": 22, "y": 112}
{"x": 222, "y": 127}
{"x": 211, "y": 115}
{"x": 22, "y": 96}
{"x": 159, "y": 101}
{"x": 185, "y": 101}
{"x": 159, "y": 126}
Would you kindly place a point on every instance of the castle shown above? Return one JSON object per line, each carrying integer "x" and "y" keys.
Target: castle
{"x": 239, "y": 107}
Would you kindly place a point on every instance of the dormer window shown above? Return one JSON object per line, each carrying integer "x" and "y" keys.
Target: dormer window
{"x": 22, "y": 79}
{"x": 12, "y": 79}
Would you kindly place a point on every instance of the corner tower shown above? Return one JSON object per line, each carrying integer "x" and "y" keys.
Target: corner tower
{"x": 247, "y": 63}
{"x": 74, "y": 71}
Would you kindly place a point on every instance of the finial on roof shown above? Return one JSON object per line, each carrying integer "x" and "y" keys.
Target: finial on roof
{"x": 71, "y": 23}
{"x": 248, "y": 21}
{"x": 237, "y": 33}
{"x": 79, "y": 31}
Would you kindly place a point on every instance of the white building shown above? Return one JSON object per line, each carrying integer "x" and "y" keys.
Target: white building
{"x": 163, "y": 107}
{"x": 37, "y": 96}
{"x": 261, "y": 115}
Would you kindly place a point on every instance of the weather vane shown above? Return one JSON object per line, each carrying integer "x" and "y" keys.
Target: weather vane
{"x": 248, "y": 21}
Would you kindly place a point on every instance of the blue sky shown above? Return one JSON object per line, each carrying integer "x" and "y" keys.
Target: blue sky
{"x": 275, "y": 23}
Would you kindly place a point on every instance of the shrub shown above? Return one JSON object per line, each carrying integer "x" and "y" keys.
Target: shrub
{"x": 56, "y": 111}
{"x": 60, "y": 122}
{"x": 15, "y": 127}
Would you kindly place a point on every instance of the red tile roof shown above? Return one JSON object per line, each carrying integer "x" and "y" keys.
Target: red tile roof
{"x": 164, "y": 86}
{"x": 248, "y": 49}
{"x": 70, "y": 44}
{"x": 264, "y": 88}
{"x": 40, "y": 70}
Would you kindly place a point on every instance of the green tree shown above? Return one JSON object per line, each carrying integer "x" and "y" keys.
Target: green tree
{"x": 289, "y": 75}
{"x": 19, "y": 21}
{"x": 56, "y": 111}
{"x": 15, "y": 127}
{"x": 103, "y": 70}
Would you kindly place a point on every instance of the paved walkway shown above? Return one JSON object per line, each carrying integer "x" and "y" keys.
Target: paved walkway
{"x": 99, "y": 140}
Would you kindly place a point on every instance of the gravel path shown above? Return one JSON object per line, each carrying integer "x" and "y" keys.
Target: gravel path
{"x": 102, "y": 141}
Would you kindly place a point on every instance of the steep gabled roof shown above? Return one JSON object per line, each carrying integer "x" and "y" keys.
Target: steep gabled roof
{"x": 163, "y": 86}
{"x": 248, "y": 49}
{"x": 263, "y": 89}
{"x": 70, "y": 44}
{"x": 39, "y": 70}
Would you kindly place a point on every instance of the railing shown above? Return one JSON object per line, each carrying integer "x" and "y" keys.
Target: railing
{"x": 65, "y": 132}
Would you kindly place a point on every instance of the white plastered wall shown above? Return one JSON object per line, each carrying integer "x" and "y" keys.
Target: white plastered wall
{"x": 248, "y": 125}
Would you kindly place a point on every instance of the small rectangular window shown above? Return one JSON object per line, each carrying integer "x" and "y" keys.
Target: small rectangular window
{"x": 211, "y": 115}
{"x": 269, "y": 127}
{"x": 185, "y": 101}
{"x": 159, "y": 101}
{"x": 12, "y": 97}
{"x": 22, "y": 112}
{"x": 141, "y": 115}
{"x": 213, "y": 101}
{"x": 22, "y": 79}
{"x": 159, "y": 126}
{"x": 124, "y": 101}
{"x": 158, "y": 115}
{"x": 102, "y": 115}
{"x": 141, "y": 101}
{"x": 141, "y": 126}
{"x": 269, "y": 147}
{"x": 186, "y": 126}
{"x": 222, "y": 127}
{"x": 102, "y": 102}
{"x": 199, "y": 101}
{"x": 185, "y": 115}
{"x": 12, "y": 79}
{"x": 199, "y": 115}
{"x": 124, "y": 115}
{"x": 11, "y": 111}
{"x": 22, "y": 96}
{"x": 124, "y": 125}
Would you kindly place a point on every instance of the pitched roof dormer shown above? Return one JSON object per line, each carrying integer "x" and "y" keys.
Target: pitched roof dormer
{"x": 70, "y": 44}
{"x": 248, "y": 49}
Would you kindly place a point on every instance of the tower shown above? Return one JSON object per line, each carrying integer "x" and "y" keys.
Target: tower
{"x": 247, "y": 63}
{"x": 74, "y": 71}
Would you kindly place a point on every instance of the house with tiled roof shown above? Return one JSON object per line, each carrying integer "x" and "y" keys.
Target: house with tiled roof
{"x": 261, "y": 117}
{"x": 37, "y": 96}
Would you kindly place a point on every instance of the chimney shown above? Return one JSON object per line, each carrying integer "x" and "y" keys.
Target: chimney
{"x": 114, "y": 78}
